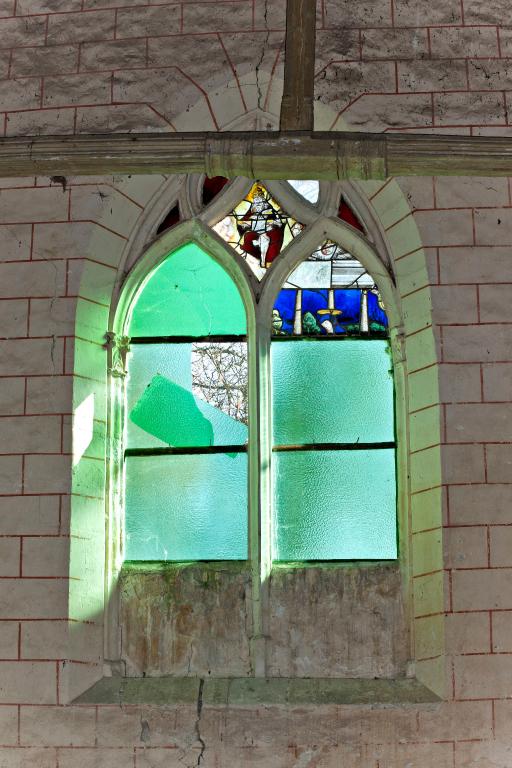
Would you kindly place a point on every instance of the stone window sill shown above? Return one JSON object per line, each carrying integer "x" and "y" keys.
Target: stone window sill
{"x": 245, "y": 691}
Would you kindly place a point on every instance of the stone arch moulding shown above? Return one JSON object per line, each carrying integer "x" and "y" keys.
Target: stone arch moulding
{"x": 388, "y": 260}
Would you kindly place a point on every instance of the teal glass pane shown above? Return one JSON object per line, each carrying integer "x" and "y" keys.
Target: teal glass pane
{"x": 334, "y": 505}
{"x": 186, "y": 507}
{"x": 189, "y": 294}
{"x": 329, "y": 391}
{"x": 187, "y": 395}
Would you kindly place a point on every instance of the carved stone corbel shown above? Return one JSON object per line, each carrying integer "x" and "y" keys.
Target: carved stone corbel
{"x": 118, "y": 347}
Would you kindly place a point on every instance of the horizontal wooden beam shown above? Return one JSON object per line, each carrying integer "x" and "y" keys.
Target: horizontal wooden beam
{"x": 279, "y": 155}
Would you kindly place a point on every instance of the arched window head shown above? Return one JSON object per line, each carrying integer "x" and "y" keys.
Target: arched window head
{"x": 321, "y": 397}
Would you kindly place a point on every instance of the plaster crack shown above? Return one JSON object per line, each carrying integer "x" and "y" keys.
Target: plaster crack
{"x": 198, "y": 722}
{"x": 262, "y": 55}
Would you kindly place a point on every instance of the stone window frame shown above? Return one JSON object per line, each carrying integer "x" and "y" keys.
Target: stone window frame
{"x": 322, "y": 223}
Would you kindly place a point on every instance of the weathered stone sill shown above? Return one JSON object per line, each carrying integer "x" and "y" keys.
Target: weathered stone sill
{"x": 248, "y": 691}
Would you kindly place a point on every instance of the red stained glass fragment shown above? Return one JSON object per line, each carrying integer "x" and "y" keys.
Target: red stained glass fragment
{"x": 172, "y": 218}
{"x": 212, "y": 186}
{"x": 345, "y": 213}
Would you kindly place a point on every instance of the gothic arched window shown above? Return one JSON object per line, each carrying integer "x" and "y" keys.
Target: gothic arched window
{"x": 259, "y": 397}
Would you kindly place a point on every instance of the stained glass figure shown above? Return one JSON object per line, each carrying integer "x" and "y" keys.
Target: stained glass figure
{"x": 345, "y": 213}
{"x": 309, "y": 190}
{"x": 212, "y": 186}
{"x": 331, "y": 293}
{"x": 259, "y": 229}
{"x": 171, "y": 218}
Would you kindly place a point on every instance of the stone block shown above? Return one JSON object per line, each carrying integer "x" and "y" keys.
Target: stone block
{"x": 428, "y": 509}
{"x": 77, "y": 240}
{"x": 394, "y": 43}
{"x": 477, "y": 344}
{"x": 73, "y": 90}
{"x": 115, "y": 54}
{"x": 96, "y": 758}
{"x": 480, "y": 504}
{"x": 24, "y": 7}
{"x": 480, "y": 422}
{"x": 494, "y": 302}
{"x": 57, "y": 726}
{"x": 28, "y": 682}
{"x": 483, "y": 264}
{"x": 428, "y": 594}
{"x": 49, "y": 394}
{"x": 465, "y": 547}
{"x": 497, "y": 384}
{"x": 9, "y": 635}
{"x": 9, "y": 556}
{"x": 464, "y": 42}
{"x": 501, "y": 546}
{"x": 38, "y": 204}
{"x": 501, "y": 630}
{"x": 218, "y": 17}
{"x": 493, "y": 226}
{"x": 44, "y": 60}
{"x": 464, "y": 192}
{"x": 43, "y": 122}
{"x": 47, "y": 474}
{"x": 370, "y": 13}
{"x": 13, "y": 317}
{"x": 483, "y": 676}
{"x": 81, "y": 27}
{"x": 417, "y": 75}
{"x": 15, "y": 242}
{"x": 481, "y": 589}
{"x": 468, "y": 632}
{"x": 468, "y": 109}
{"x": 442, "y": 228}
{"x": 425, "y": 428}
{"x": 28, "y": 757}
{"x": 45, "y": 556}
{"x": 16, "y": 32}
{"x": 31, "y": 434}
{"x": 149, "y": 21}
{"x": 427, "y": 552}
{"x": 424, "y": 15}
{"x": 11, "y": 479}
{"x": 463, "y": 464}
{"x": 105, "y": 206}
{"x": 459, "y": 383}
{"x": 12, "y": 391}
{"x": 35, "y": 599}
{"x": 499, "y": 463}
{"x": 21, "y": 515}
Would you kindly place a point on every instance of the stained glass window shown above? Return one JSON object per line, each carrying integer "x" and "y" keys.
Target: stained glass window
{"x": 186, "y": 462}
{"x": 332, "y": 410}
{"x": 258, "y": 228}
{"x": 333, "y": 424}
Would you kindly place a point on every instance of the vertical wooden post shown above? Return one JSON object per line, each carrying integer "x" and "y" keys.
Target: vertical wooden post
{"x": 299, "y": 66}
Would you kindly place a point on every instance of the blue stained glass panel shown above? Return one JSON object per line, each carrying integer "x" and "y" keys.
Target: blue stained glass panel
{"x": 334, "y": 505}
{"x": 332, "y": 392}
{"x": 183, "y": 508}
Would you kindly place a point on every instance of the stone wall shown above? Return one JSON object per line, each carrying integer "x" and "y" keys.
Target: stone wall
{"x": 450, "y": 241}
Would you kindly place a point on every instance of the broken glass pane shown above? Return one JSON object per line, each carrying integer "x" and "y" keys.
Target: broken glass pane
{"x": 307, "y": 189}
{"x": 189, "y": 294}
{"x": 258, "y": 229}
{"x": 329, "y": 392}
{"x": 186, "y": 507}
{"x": 172, "y": 388}
{"x": 334, "y": 505}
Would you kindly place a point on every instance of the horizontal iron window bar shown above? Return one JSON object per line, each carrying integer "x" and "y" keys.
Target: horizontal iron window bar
{"x": 334, "y": 447}
{"x": 332, "y": 337}
{"x": 187, "y": 339}
{"x": 189, "y": 450}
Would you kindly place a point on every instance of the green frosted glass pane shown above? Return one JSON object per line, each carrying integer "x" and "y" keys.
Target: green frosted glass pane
{"x": 334, "y": 505}
{"x": 332, "y": 391}
{"x": 159, "y": 411}
{"x": 189, "y": 294}
{"x": 186, "y": 507}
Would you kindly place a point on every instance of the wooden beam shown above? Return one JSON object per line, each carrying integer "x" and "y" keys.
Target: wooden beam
{"x": 299, "y": 66}
{"x": 284, "y": 155}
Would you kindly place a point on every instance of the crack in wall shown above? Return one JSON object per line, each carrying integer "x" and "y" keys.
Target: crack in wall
{"x": 198, "y": 722}
{"x": 262, "y": 56}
